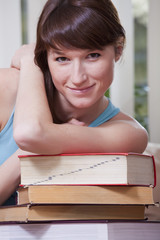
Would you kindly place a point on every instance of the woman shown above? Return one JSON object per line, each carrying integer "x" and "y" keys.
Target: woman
{"x": 61, "y": 106}
{"x": 78, "y": 43}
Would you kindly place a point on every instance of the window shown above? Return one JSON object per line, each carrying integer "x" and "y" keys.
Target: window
{"x": 140, "y": 9}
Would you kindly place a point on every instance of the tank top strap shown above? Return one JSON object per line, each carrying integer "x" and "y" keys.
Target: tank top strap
{"x": 108, "y": 113}
{"x": 8, "y": 124}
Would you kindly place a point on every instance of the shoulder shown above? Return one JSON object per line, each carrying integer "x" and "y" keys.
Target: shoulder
{"x": 8, "y": 82}
{"x": 7, "y": 75}
{"x": 8, "y": 90}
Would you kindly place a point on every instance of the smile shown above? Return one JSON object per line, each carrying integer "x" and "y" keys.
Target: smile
{"x": 81, "y": 90}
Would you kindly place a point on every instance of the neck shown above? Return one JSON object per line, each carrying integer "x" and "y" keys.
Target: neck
{"x": 65, "y": 111}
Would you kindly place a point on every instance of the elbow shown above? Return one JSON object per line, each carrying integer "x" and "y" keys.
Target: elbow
{"x": 140, "y": 141}
{"x": 135, "y": 140}
{"x": 27, "y": 136}
{"x": 145, "y": 139}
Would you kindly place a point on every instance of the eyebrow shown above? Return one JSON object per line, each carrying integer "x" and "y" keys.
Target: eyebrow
{"x": 57, "y": 52}
{"x": 60, "y": 52}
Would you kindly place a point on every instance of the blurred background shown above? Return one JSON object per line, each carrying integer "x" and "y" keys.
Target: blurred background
{"x": 137, "y": 76}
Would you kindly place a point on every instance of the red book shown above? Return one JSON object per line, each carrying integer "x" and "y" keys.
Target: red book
{"x": 88, "y": 169}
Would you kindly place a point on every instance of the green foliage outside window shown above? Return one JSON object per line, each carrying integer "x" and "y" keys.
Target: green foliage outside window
{"x": 141, "y": 88}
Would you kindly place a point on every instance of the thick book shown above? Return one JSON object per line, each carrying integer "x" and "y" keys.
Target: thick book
{"x": 30, "y": 213}
{"x": 70, "y": 194}
{"x": 84, "y": 230}
{"x": 88, "y": 169}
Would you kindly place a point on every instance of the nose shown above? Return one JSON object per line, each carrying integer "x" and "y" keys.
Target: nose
{"x": 78, "y": 74}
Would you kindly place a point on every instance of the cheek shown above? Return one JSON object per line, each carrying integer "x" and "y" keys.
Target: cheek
{"x": 56, "y": 74}
{"x": 57, "y": 81}
{"x": 104, "y": 73}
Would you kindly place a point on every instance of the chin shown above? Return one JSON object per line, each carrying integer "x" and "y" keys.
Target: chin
{"x": 82, "y": 105}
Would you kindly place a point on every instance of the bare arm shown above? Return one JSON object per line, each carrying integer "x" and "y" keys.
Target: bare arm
{"x": 35, "y": 132}
{"x": 10, "y": 175}
{"x": 8, "y": 90}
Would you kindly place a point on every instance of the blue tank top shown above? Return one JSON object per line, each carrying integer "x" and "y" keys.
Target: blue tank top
{"x": 7, "y": 143}
{"x": 7, "y": 148}
{"x": 108, "y": 113}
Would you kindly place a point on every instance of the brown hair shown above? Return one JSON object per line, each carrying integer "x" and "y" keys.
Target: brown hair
{"x": 84, "y": 24}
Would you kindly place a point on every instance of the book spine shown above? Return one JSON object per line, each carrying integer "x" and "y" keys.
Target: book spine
{"x": 74, "y": 154}
{"x": 154, "y": 168}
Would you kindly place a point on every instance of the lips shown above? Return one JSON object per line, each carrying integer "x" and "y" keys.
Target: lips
{"x": 81, "y": 90}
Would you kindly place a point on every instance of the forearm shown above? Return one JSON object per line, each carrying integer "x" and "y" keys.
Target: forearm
{"x": 9, "y": 176}
{"x": 32, "y": 108}
{"x": 66, "y": 138}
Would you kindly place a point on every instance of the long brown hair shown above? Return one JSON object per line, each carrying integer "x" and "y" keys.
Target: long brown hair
{"x": 84, "y": 24}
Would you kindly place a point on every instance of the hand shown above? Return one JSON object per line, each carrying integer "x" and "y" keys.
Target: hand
{"x": 24, "y": 52}
{"x": 74, "y": 121}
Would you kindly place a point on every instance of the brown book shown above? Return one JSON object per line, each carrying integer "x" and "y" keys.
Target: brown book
{"x": 88, "y": 169}
{"x": 29, "y": 213}
{"x": 69, "y": 194}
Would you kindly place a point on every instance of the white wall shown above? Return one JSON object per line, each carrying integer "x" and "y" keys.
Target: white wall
{"x": 34, "y": 10}
{"x": 10, "y": 30}
{"x": 154, "y": 70}
{"x": 122, "y": 90}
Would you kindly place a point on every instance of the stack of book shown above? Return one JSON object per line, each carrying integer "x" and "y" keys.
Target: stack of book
{"x": 71, "y": 187}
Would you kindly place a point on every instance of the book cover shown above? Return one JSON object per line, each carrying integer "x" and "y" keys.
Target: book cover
{"x": 71, "y": 194}
{"x": 55, "y": 212}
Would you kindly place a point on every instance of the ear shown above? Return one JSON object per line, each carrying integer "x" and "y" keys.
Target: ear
{"x": 119, "y": 46}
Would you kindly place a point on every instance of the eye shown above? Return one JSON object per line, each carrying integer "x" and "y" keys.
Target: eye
{"x": 93, "y": 55}
{"x": 62, "y": 59}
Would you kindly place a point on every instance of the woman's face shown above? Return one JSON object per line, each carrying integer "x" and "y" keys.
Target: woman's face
{"x": 82, "y": 76}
